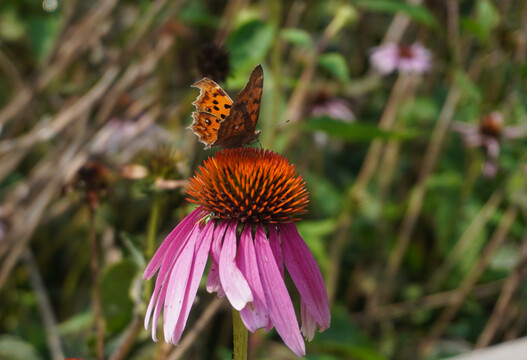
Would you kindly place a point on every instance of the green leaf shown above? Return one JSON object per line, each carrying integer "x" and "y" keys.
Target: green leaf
{"x": 43, "y": 31}
{"x": 250, "y": 43}
{"x": 76, "y": 324}
{"x": 469, "y": 89}
{"x": 12, "y": 27}
{"x": 419, "y": 110}
{"x": 415, "y": 12}
{"x": 297, "y": 37}
{"x": 353, "y": 131}
{"x": 336, "y": 65}
{"x": 117, "y": 306}
{"x": 488, "y": 17}
{"x": 13, "y": 348}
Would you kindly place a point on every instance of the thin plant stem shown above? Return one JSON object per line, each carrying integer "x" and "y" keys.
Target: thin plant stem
{"x": 240, "y": 336}
{"x": 448, "y": 314}
{"x": 397, "y": 310}
{"x": 198, "y": 327}
{"x": 398, "y": 93}
{"x": 467, "y": 238}
{"x": 152, "y": 226}
{"x": 151, "y": 235}
{"x": 371, "y": 161}
{"x": 132, "y": 332}
{"x": 97, "y": 307}
{"x": 417, "y": 196}
{"x": 276, "y": 65}
{"x": 44, "y": 306}
{"x": 498, "y": 314}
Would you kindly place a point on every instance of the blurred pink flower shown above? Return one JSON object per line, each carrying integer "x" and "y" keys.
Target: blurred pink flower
{"x": 488, "y": 134}
{"x": 389, "y": 57}
{"x": 247, "y": 269}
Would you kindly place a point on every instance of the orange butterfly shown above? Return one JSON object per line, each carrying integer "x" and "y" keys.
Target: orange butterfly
{"x": 221, "y": 122}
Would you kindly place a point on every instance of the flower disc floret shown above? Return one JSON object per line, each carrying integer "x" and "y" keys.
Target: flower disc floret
{"x": 249, "y": 185}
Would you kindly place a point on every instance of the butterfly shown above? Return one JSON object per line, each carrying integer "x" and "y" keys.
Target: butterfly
{"x": 224, "y": 123}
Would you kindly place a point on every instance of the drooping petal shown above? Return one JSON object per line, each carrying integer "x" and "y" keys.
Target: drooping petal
{"x": 232, "y": 280}
{"x": 254, "y": 315}
{"x": 276, "y": 248}
{"x": 213, "y": 280}
{"x": 305, "y": 273}
{"x": 157, "y": 312}
{"x": 309, "y": 326}
{"x": 279, "y": 304}
{"x": 179, "y": 232}
{"x": 177, "y": 285}
{"x": 168, "y": 260}
{"x": 201, "y": 253}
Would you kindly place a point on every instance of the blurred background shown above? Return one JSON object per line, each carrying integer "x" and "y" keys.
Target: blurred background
{"x": 407, "y": 120}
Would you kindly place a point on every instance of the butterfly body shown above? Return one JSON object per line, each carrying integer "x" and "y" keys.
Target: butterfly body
{"x": 224, "y": 123}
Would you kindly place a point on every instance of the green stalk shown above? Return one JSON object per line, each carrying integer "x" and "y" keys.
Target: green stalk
{"x": 240, "y": 336}
{"x": 151, "y": 235}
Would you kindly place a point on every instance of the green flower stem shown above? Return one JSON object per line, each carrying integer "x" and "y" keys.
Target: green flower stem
{"x": 240, "y": 336}
{"x": 97, "y": 306}
{"x": 151, "y": 235}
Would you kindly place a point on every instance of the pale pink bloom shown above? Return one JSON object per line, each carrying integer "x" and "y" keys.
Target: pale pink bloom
{"x": 488, "y": 135}
{"x": 404, "y": 58}
{"x": 248, "y": 270}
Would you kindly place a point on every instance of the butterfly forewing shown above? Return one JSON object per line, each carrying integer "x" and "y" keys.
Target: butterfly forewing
{"x": 239, "y": 128}
{"x": 212, "y": 99}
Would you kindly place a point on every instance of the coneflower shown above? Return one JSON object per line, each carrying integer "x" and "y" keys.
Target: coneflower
{"x": 389, "y": 57}
{"x": 248, "y": 200}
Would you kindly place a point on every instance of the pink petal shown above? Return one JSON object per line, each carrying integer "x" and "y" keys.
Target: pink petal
{"x": 309, "y": 326}
{"x": 177, "y": 285}
{"x": 305, "y": 273}
{"x": 184, "y": 228}
{"x": 280, "y": 307}
{"x": 254, "y": 315}
{"x": 201, "y": 253}
{"x": 276, "y": 248}
{"x": 155, "y": 318}
{"x": 234, "y": 284}
{"x": 213, "y": 280}
{"x": 168, "y": 260}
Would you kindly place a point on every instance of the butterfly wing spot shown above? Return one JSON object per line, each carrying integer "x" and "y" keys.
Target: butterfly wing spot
{"x": 211, "y": 94}
{"x": 227, "y": 106}
{"x": 223, "y": 116}
{"x": 205, "y": 126}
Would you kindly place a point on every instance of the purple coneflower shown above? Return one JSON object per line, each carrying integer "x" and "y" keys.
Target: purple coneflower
{"x": 488, "y": 135}
{"x": 248, "y": 199}
{"x": 405, "y": 58}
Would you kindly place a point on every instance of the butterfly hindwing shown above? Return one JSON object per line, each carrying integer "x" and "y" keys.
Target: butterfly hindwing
{"x": 205, "y": 126}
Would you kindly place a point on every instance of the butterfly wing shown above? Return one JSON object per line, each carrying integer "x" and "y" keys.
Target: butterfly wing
{"x": 205, "y": 126}
{"x": 213, "y": 106}
{"x": 239, "y": 127}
